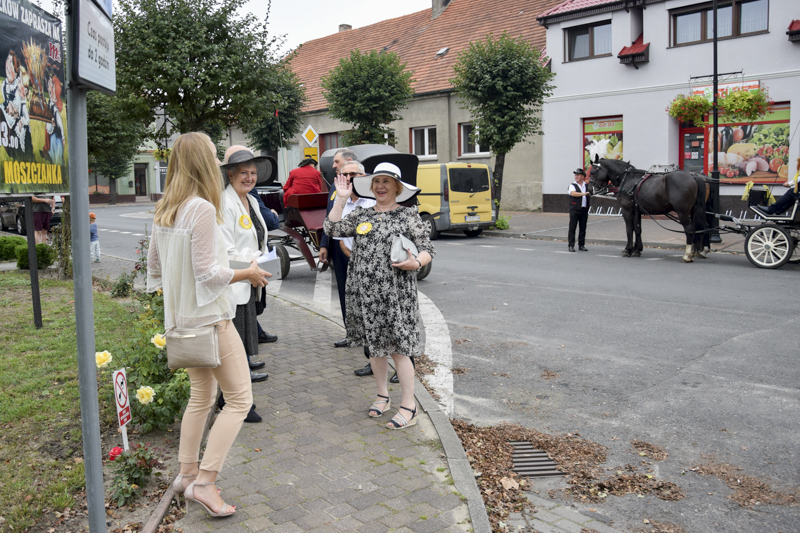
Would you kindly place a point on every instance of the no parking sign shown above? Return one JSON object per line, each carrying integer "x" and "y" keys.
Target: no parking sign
{"x": 121, "y": 398}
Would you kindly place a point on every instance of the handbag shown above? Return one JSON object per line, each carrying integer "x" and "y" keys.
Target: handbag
{"x": 193, "y": 347}
{"x": 400, "y": 247}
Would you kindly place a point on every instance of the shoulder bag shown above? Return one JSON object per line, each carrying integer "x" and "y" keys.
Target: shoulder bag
{"x": 193, "y": 347}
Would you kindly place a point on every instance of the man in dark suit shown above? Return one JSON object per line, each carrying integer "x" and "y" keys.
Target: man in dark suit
{"x": 578, "y": 210}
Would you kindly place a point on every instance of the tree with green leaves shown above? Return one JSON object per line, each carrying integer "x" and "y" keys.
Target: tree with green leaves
{"x": 367, "y": 90}
{"x": 116, "y": 128}
{"x": 199, "y": 61}
{"x": 275, "y": 118}
{"x": 502, "y": 83}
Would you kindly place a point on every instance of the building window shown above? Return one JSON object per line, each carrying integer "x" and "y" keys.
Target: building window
{"x": 423, "y": 141}
{"x": 466, "y": 144}
{"x": 585, "y": 42}
{"x": 734, "y": 19}
{"x": 328, "y": 141}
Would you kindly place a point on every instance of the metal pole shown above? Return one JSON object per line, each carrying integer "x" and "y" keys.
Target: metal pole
{"x": 714, "y": 237}
{"x": 33, "y": 266}
{"x": 82, "y": 273}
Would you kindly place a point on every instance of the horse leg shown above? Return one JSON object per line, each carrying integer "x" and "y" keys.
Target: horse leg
{"x": 688, "y": 229}
{"x": 627, "y": 214}
{"x": 637, "y": 228}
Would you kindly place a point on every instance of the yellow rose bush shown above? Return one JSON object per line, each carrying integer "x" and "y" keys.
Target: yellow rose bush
{"x": 162, "y": 393}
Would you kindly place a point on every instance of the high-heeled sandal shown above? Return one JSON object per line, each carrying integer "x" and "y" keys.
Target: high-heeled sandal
{"x": 400, "y": 422}
{"x": 225, "y": 510}
{"x": 375, "y": 411}
{"x": 177, "y": 485}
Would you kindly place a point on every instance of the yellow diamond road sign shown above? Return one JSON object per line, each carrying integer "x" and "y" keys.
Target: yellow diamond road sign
{"x": 310, "y": 135}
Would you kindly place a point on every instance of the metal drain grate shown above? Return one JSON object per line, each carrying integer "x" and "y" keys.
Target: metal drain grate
{"x": 528, "y": 461}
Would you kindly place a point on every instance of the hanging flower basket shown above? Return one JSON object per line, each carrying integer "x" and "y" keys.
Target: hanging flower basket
{"x": 690, "y": 109}
{"x": 745, "y": 106}
{"x": 162, "y": 154}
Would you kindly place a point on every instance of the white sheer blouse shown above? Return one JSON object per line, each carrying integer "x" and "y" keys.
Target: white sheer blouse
{"x": 189, "y": 261}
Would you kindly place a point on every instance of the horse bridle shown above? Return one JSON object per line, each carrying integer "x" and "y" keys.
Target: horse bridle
{"x": 612, "y": 186}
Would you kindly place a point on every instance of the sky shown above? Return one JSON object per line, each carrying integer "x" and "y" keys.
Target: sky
{"x": 304, "y": 20}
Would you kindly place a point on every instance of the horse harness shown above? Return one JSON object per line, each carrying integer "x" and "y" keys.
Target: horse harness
{"x": 630, "y": 191}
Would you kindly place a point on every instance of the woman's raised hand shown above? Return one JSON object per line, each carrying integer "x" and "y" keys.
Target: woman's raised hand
{"x": 343, "y": 186}
{"x": 256, "y": 276}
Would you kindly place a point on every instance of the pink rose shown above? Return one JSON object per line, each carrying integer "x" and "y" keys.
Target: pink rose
{"x": 115, "y": 452}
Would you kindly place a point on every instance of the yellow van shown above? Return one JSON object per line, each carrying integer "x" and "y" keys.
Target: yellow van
{"x": 456, "y": 197}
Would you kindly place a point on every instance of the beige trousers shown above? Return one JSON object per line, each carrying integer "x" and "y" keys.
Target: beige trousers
{"x": 233, "y": 376}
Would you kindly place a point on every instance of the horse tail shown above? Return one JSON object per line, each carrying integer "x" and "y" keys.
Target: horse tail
{"x": 699, "y": 214}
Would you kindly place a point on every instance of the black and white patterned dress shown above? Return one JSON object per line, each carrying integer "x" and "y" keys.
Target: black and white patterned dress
{"x": 382, "y": 305}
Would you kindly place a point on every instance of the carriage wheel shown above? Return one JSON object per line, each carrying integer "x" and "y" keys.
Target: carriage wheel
{"x": 423, "y": 272}
{"x": 768, "y": 246}
{"x": 795, "y": 233}
{"x": 283, "y": 256}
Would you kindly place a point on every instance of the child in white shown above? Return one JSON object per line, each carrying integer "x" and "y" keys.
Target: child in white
{"x": 94, "y": 247}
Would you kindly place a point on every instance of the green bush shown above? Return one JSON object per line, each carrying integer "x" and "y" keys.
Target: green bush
{"x": 8, "y": 247}
{"x": 123, "y": 286}
{"x": 502, "y": 222}
{"x": 132, "y": 470}
{"x": 45, "y": 256}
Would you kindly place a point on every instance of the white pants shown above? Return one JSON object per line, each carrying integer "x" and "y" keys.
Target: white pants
{"x": 94, "y": 248}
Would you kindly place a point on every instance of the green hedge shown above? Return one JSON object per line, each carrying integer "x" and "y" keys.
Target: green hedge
{"x": 8, "y": 247}
{"x": 45, "y": 256}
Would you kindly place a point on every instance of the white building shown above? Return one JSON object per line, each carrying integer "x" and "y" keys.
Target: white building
{"x": 619, "y": 64}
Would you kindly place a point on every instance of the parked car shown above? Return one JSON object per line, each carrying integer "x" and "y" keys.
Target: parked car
{"x": 456, "y": 197}
{"x": 12, "y": 214}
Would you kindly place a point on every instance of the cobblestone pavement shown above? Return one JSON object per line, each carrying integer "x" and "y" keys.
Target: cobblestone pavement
{"x": 317, "y": 462}
{"x": 552, "y": 517}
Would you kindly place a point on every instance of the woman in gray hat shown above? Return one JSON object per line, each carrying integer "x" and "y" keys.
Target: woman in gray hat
{"x": 246, "y": 234}
{"x": 381, "y": 295}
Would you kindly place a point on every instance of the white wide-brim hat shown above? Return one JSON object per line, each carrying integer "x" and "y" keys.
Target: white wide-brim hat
{"x": 362, "y": 184}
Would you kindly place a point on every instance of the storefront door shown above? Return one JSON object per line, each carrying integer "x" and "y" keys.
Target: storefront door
{"x": 140, "y": 178}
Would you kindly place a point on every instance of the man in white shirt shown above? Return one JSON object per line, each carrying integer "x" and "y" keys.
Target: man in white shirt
{"x": 578, "y": 210}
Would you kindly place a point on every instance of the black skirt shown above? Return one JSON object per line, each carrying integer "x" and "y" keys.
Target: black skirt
{"x": 246, "y": 323}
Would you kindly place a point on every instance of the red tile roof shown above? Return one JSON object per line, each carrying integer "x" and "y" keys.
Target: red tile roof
{"x": 416, "y": 39}
{"x": 638, "y": 47}
{"x": 575, "y": 5}
{"x": 794, "y": 26}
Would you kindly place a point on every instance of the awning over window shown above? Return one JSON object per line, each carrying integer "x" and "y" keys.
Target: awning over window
{"x": 638, "y": 52}
{"x": 794, "y": 31}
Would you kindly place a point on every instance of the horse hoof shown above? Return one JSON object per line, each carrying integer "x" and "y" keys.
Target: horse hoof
{"x": 636, "y": 254}
{"x": 688, "y": 260}
{"x": 702, "y": 255}
{"x": 626, "y": 254}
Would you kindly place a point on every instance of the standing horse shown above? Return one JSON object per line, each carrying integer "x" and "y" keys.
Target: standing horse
{"x": 655, "y": 194}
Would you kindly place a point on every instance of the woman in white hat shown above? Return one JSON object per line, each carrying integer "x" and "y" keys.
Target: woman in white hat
{"x": 381, "y": 296}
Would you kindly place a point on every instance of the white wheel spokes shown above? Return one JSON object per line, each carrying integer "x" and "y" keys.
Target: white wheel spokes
{"x": 769, "y": 246}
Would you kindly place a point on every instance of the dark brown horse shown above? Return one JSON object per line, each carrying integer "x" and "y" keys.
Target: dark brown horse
{"x": 641, "y": 193}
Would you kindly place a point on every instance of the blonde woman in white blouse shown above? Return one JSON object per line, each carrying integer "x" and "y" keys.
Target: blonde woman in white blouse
{"x": 188, "y": 259}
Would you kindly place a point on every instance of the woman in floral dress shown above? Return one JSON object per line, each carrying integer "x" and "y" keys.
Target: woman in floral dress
{"x": 381, "y": 296}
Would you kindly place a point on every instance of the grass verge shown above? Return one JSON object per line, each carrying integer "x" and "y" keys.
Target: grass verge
{"x": 41, "y": 465}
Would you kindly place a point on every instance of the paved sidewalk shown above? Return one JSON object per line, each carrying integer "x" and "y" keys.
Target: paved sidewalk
{"x": 605, "y": 230}
{"x": 317, "y": 462}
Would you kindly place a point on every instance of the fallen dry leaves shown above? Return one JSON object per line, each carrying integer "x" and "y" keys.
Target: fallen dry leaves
{"x": 653, "y": 451}
{"x": 748, "y": 490}
{"x": 660, "y": 527}
{"x": 549, "y": 374}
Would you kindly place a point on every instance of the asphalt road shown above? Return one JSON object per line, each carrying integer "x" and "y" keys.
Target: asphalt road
{"x": 120, "y": 228}
{"x": 698, "y": 358}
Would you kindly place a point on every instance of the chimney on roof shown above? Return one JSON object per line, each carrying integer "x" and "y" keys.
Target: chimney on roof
{"x": 438, "y": 7}
{"x": 344, "y": 27}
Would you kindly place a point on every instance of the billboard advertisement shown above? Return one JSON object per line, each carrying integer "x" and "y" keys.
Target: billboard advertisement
{"x": 33, "y": 111}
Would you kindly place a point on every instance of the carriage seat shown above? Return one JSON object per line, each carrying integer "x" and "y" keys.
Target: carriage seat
{"x": 307, "y": 210}
{"x": 790, "y": 215}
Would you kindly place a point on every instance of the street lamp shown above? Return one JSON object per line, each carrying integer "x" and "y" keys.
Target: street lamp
{"x": 714, "y": 237}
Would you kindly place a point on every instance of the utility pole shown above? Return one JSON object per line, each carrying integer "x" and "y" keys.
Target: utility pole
{"x": 714, "y": 237}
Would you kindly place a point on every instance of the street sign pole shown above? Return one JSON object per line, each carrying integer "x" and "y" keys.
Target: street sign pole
{"x": 714, "y": 237}
{"x": 82, "y": 274}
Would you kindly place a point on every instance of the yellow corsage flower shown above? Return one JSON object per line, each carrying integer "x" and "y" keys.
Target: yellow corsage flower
{"x": 102, "y": 359}
{"x": 159, "y": 341}
{"x": 145, "y": 395}
{"x": 364, "y": 228}
{"x": 245, "y": 222}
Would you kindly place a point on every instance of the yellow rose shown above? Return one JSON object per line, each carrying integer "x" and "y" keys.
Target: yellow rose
{"x": 102, "y": 359}
{"x": 159, "y": 341}
{"x": 145, "y": 395}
